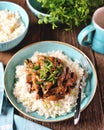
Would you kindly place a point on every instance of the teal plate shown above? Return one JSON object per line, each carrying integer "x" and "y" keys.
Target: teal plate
{"x": 46, "y": 46}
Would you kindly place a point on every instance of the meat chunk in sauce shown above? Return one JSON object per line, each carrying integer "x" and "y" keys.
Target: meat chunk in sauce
{"x": 49, "y": 77}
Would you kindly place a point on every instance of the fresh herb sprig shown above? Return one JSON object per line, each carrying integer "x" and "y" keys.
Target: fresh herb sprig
{"x": 69, "y": 12}
{"x": 48, "y": 72}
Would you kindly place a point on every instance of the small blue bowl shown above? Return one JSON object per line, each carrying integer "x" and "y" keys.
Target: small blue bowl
{"x": 4, "y": 46}
{"x": 36, "y": 8}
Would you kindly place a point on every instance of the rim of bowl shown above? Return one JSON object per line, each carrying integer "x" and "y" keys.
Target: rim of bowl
{"x": 26, "y": 26}
{"x": 33, "y": 9}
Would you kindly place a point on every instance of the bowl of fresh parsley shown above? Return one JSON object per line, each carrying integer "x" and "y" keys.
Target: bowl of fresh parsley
{"x": 71, "y": 13}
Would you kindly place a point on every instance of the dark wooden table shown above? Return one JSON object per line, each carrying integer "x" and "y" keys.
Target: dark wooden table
{"x": 92, "y": 118}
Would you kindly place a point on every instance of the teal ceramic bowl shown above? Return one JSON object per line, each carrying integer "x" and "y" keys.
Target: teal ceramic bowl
{"x": 4, "y": 46}
{"x": 36, "y": 8}
{"x": 45, "y": 46}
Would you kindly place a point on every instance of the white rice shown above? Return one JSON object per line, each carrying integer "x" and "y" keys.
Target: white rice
{"x": 11, "y": 25}
{"x": 47, "y": 108}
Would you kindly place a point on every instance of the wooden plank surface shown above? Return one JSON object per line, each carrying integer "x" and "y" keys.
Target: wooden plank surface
{"x": 92, "y": 118}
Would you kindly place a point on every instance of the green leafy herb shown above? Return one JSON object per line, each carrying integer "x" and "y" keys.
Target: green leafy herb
{"x": 36, "y": 67}
{"x": 50, "y": 73}
{"x": 38, "y": 82}
{"x": 69, "y": 12}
